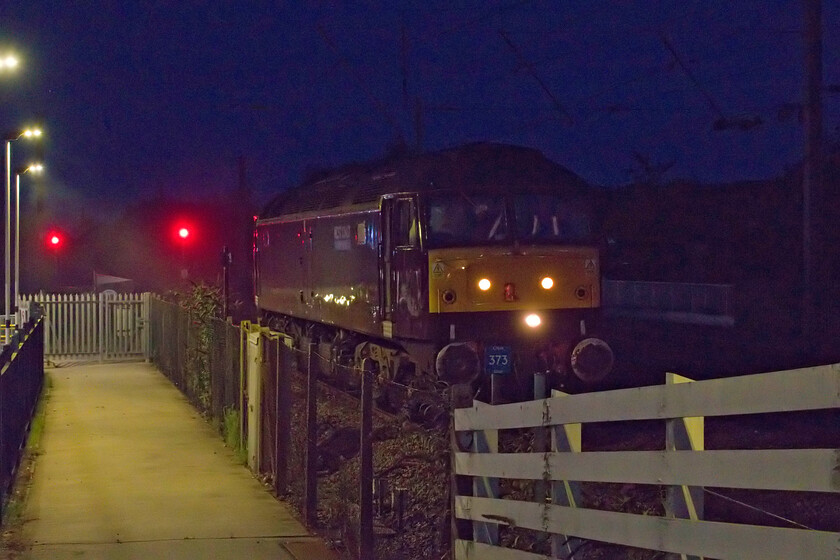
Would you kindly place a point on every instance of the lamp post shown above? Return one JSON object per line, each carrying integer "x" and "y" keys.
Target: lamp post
{"x": 28, "y": 133}
{"x": 34, "y": 168}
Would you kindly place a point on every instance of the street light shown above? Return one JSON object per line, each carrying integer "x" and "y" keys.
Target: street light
{"x": 28, "y": 133}
{"x": 34, "y": 168}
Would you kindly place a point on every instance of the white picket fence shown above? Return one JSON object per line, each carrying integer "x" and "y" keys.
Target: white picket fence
{"x": 799, "y": 470}
{"x": 106, "y": 326}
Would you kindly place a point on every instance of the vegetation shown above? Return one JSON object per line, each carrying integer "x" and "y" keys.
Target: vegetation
{"x": 203, "y": 303}
{"x": 231, "y": 435}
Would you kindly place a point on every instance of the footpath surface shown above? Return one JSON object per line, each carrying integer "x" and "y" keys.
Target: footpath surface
{"x": 129, "y": 470}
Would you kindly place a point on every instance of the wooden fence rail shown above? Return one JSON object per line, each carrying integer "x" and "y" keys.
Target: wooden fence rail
{"x": 800, "y": 470}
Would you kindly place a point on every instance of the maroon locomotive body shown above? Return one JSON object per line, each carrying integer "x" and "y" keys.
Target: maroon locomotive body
{"x": 434, "y": 265}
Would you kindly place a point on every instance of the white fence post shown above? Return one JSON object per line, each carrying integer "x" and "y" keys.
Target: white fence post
{"x": 684, "y": 434}
{"x": 565, "y": 438}
{"x": 485, "y": 441}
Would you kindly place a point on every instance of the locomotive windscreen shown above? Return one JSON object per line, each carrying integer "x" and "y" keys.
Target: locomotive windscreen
{"x": 465, "y": 220}
{"x": 475, "y": 219}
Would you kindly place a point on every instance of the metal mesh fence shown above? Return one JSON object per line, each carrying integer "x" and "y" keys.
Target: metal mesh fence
{"x": 224, "y": 367}
{"x": 408, "y": 482}
{"x": 308, "y": 437}
{"x": 201, "y": 358}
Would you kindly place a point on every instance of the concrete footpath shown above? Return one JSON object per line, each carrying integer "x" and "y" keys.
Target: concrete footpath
{"x": 129, "y": 470}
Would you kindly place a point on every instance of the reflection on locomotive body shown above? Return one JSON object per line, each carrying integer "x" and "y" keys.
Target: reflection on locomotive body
{"x": 446, "y": 266}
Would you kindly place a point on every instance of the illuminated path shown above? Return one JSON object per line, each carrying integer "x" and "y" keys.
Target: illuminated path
{"x": 129, "y": 470}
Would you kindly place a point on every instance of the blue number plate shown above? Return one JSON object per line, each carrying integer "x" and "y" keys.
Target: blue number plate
{"x": 498, "y": 360}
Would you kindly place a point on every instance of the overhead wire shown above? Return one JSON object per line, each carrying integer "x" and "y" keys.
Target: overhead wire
{"x": 757, "y": 509}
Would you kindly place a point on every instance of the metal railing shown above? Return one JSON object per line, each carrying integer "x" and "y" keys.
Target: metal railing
{"x": 670, "y": 301}
{"x": 95, "y": 326}
{"x": 21, "y": 380}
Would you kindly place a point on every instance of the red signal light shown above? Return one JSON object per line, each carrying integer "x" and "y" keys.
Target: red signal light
{"x": 54, "y": 240}
{"x": 183, "y": 232}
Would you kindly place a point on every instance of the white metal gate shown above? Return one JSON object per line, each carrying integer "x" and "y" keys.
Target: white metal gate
{"x": 103, "y": 326}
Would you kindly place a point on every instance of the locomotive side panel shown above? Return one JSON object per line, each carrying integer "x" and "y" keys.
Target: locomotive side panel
{"x": 282, "y": 255}
{"x": 322, "y": 268}
{"x": 345, "y": 271}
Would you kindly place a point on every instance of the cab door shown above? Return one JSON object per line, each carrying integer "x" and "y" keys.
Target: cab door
{"x": 404, "y": 269}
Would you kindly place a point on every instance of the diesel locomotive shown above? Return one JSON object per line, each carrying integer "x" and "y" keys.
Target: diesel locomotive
{"x": 449, "y": 266}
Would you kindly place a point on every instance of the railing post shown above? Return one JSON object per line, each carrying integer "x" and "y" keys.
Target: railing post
{"x": 684, "y": 434}
{"x": 102, "y": 327}
{"x": 310, "y": 507}
{"x": 253, "y": 390}
{"x": 146, "y": 325}
{"x": 47, "y": 325}
{"x": 244, "y": 329}
{"x": 565, "y": 438}
{"x": 366, "y": 542}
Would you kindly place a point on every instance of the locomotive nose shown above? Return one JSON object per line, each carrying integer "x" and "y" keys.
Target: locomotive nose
{"x": 592, "y": 359}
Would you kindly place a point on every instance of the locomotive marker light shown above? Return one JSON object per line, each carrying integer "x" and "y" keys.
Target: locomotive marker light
{"x": 183, "y": 233}
{"x": 484, "y": 284}
{"x": 9, "y": 62}
{"x": 547, "y": 283}
{"x": 533, "y": 320}
{"x": 510, "y": 292}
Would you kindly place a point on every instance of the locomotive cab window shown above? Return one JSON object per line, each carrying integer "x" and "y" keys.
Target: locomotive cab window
{"x": 457, "y": 219}
{"x": 404, "y": 223}
{"x": 548, "y": 218}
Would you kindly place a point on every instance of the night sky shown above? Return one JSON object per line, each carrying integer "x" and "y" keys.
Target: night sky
{"x": 143, "y": 98}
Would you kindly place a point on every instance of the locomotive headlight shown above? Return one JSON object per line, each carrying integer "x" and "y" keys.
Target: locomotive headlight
{"x": 547, "y": 283}
{"x": 484, "y": 284}
{"x": 533, "y": 320}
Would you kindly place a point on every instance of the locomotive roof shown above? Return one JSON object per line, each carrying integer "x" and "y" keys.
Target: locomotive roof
{"x": 482, "y": 167}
